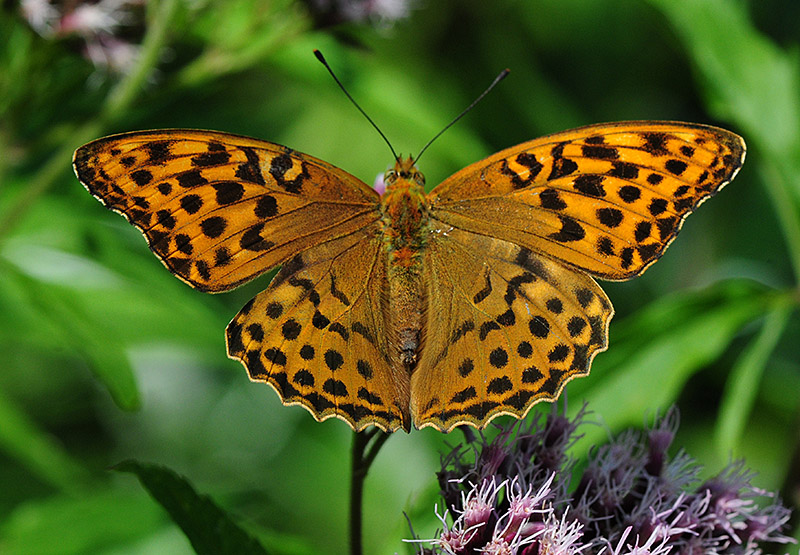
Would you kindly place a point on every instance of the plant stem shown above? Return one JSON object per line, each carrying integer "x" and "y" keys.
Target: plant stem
{"x": 363, "y": 456}
{"x": 118, "y": 100}
{"x": 779, "y": 184}
{"x": 214, "y": 63}
{"x": 739, "y": 396}
{"x": 159, "y": 24}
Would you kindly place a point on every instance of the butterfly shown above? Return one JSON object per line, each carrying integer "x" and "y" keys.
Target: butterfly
{"x": 453, "y": 307}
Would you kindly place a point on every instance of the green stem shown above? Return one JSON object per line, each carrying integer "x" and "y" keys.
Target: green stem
{"x": 118, "y": 100}
{"x": 361, "y": 461}
{"x": 45, "y": 178}
{"x": 778, "y": 184}
{"x": 742, "y": 384}
{"x": 160, "y": 21}
{"x": 214, "y": 62}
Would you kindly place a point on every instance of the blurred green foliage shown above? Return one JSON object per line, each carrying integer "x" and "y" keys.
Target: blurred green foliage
{"x": 104, "y": 356}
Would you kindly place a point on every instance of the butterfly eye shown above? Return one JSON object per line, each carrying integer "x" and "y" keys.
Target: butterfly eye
{"x": 413, "y": 174}
{"x": 390, "y": 177}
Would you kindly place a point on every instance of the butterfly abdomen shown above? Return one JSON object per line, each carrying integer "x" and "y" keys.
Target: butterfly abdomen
{"x": 404, "y": 226}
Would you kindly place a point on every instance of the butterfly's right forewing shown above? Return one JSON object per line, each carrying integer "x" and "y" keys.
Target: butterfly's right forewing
{"x": 219, "y": 209}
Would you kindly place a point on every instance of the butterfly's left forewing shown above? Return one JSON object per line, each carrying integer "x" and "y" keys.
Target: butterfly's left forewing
{"x": 606, "y": 198}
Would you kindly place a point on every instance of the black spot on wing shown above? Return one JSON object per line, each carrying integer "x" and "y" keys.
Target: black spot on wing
{"x": 250, "y": 171}
{"x": 483, "y": 293}
{"x": 590, "y": 184}
{"x": 211, "y": 158}
{"x": 365, "y": 369}
{"x": 228, "y": 192}
{"x": 307, "y": 352}
{"x": 466, "y": 367}
{"x": 609, "y": 217}
{"x": 462, "y": 330}
{"x": 532, "y": 264}
{"x": 252, "y": 240}
{"x": 600, "y": 152}
{"x": 141, "y": 177}
{"x": 333, "y": 359}
{"x": 158, "y": 151}
{"x": 339, "y": 295}
{"x": 222, "y": 256}
{"x": 464, "y": 395}
{"x": 486, "y": 327}
{"x": 274, "y": 310}
{"x": 629, "y": 193}
{"x": 624, "y": 170}
{"x": 675, "y": 167}
{"x": 499, "y": 385}
{"x": 562, "y": 167}
{"x": 570, "y": 230}
{"x": 655, "y": 143}
{"x": 191, "y": 178}
{"x": 266, "y": 207}
{"x": 550, "y": 200}
{"x": 213, "y": 227}
{"x": 303, "y": 378}
{"x": 191, "y": 203}
{"x": 529, "y": 160}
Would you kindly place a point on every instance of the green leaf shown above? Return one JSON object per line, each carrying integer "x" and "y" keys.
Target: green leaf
{"x": 749, "y": 80}
{"x": 210, "y": 530}
{"x": 747, "y": 77}
{"x": 91, "y": 523}
{"x": 23, "y": 440}
{"x": 61, "y": 309}
{"x": 741, "y": 389}
{"x": 659, "y": 349}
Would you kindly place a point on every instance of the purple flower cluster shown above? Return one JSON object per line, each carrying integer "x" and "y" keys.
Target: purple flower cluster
{"x": 514, "y": 494}
{"x": 381, "y": 12}
{"x": 97, "y": 24}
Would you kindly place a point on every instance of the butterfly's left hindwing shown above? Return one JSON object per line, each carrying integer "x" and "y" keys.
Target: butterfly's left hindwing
{"x": 511, "y": 328}
{"x": 219, "y": 209}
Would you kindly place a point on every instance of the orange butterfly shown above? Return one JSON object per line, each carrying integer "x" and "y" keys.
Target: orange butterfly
{"x": 447, "y": 308}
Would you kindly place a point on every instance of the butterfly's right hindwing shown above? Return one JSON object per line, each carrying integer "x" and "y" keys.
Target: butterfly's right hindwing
{"x": 319, "y": 337}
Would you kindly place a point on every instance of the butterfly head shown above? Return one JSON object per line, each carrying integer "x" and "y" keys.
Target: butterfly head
{"x": 404, "y": 169}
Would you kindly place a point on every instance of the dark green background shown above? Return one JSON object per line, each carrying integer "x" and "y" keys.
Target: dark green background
{"x": 104, "y": 356}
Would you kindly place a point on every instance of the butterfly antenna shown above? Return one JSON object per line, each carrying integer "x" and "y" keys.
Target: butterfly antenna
{"x": 497, "y": 79}
{"x": 324, "y": 62}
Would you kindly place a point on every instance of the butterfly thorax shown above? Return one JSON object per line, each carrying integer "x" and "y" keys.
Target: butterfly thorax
{"x": 404, "y": 214}
{"x": 404, "y": 221}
